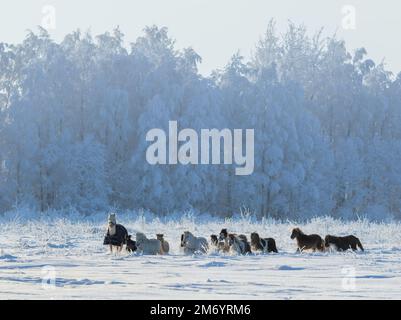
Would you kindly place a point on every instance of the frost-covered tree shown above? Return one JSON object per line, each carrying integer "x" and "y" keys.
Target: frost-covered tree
{"x": 74, "y": 117}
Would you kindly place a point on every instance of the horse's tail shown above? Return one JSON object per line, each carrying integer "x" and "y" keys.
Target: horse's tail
{"x": 359, "y": 244}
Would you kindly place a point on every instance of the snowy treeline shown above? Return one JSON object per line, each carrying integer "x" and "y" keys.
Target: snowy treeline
{"x": 74, "y": 116}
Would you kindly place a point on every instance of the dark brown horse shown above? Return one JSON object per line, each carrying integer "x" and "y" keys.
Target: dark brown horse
{"x": 306, "y": 242}
{"x": 343, "y": 243}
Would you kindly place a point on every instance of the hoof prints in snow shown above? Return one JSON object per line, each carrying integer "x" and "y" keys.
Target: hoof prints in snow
{"x": 7, "y": 257}
{"x": 59, "y": 282}
{"x": 213, "y": 264}
{"x": 378, "y": 276}
{"x": 77, "y": 282}
{"x": 285, "y": 267}
{"x": 61, "y": 246}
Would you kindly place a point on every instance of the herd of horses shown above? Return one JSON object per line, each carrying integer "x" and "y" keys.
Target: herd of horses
{"x": 117, "y": 236}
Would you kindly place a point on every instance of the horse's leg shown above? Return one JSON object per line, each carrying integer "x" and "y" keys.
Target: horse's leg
{"x": 239, "y": 248}
{"x": 226, "y": 246}
{"x": 111, "y": 248}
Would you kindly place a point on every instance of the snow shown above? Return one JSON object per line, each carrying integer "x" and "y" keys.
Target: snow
{"x": 72, "y": 250}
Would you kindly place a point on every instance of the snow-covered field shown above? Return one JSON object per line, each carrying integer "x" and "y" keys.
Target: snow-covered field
{"x": 72, "y": 253}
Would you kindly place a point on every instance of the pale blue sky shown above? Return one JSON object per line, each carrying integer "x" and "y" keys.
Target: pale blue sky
{"x": 215, "y": 28}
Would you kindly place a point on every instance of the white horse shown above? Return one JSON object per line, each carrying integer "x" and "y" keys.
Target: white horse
{"x": 148, "y": 246}
{"x": 192, "y": 244}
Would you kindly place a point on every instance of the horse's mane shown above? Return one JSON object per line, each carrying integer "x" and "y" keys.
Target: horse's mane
{"x": 299, "y": 231}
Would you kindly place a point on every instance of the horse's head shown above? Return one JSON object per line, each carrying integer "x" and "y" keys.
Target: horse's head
{"x": 231, "y": 239}
{"x": 214, "y": 240}
{"x": 140, "y": 237}
{"x": 255, "y": 238}
{"x": 223, "y": 234}
{"x": 112, "y": 219}
{"x": 296, "y": 232}
{"x": 327, "y": 240}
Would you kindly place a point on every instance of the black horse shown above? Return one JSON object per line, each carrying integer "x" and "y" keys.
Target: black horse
{"x": 131, "y": 244}
{"x": 118, "y": 239}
